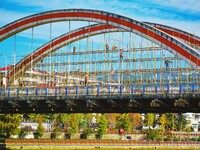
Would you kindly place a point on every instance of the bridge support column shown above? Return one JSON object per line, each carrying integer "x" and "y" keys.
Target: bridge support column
{"x": 133, "y": 102}
{"x": 70, "y": 104}
{"x": 91, "y": 103}
{"x": 181, "y": 102}
{"x": 13, "y": 103}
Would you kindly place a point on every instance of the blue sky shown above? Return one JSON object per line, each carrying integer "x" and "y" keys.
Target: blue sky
{"x": 183, "y": 14}
{"x": 156, "y": 10}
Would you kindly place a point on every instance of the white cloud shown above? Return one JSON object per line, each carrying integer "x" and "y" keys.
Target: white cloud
{"x": 135, "y": 10}
{"x": 190, "y": 5}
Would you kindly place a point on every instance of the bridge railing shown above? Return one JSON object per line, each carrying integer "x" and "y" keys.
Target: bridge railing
{"x": 101, "y": 90}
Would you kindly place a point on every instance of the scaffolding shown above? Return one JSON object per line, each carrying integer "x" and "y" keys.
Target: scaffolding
{"x": 120, "y": 59}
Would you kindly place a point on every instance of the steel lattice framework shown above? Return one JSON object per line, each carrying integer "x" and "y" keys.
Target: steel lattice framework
{"x": 120, "y": 95}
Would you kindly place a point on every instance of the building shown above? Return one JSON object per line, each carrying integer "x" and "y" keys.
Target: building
{"x": 193, "y": 120}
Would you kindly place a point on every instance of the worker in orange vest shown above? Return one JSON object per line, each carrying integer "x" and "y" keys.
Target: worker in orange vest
{"x": 107, "y": 47}
{"x": 86, "y": 80}
{"x": 114, "y": 47}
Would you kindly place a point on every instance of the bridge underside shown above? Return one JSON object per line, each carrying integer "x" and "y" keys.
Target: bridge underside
{"x": 102, "y": 104}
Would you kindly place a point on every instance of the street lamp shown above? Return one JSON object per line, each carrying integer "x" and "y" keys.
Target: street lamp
{"x": 5, "y": 69}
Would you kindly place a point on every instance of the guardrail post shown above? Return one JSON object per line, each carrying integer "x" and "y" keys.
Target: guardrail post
{"x": 192, "y": 87}
{"x": 17, "y": 92}
{"x": 56, "y": 91}
{"x": 76, "y": 90}
{"x": 167, "y": 88}
{"x": 46, "y": 91}
{"x": 156, "y": 88}
{"x": 132, "y": 88}
{"x": 87, "y": 90}
{"x": 8, "y": 92}
{"x": 66, "y": 90}
{"x": 0, "y": 91}
{"x": 144, "y": 89}
{"x": 36, "y": 91}
{"x": 120, "y": 89}
{"x": 108, "y": 89}
{"x": 180, "y": 89}
{"x": 26, "y": 91}
{"x": 98, "y": 90}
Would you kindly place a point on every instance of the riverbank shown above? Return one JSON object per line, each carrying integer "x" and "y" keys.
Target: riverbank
{"x": 83, "y": 147}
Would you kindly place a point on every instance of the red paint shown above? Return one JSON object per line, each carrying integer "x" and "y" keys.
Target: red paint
{"x": 54, "y": 15}
{"x": 181, "y": 35}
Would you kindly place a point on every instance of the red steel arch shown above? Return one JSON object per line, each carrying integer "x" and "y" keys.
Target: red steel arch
{"x": 177, "y": 47}
{"x": 8, "y": 30}
{"x": 186, "y": 36}
{"x": 53, "y": 45}
{"x": 59, "y": 42}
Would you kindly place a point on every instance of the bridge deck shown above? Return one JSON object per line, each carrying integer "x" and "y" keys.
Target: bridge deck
{"x": 139, "y": 103}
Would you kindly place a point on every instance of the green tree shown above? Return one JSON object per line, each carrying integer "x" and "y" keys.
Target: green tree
{"x": 154, "y": 135}
{"x": 149, "y": 119}
{"x": 56, "y": 125}
{"x": 40, "y": 128}
{"x": 112, "y": 120}
{"x": 102, "y": 125}
{"x": 9, "y": 124}
{"x": 24, "y": 131}
{"x": 171, "y": 121}
{"x": 124, "y": 122}
{"x": 163, "y": 123}
{"x": 181, "y": 122}
{"x": 74, "y": 121}
{"x": 135, "y": 119}
{"x": 87, "y": 126}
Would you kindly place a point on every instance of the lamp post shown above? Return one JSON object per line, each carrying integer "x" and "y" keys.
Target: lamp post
{"x": 5, "y": 76}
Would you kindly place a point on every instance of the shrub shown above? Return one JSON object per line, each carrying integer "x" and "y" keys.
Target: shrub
{"x": 154, "y": 135}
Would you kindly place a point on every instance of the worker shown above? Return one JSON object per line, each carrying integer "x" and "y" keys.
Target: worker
{"x": 121, "y": 54}
{"x": 189, "y": 77}
{"x": 107, "y": 47}
{"x": 74, "y": 50}
{"x": 114, "y": 47}
{"x": 41, "y": 60}
{"x": 86, "y": 80}
{"x": 167, "y": 64}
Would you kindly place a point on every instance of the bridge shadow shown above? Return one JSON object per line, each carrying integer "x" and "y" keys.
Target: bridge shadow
{"x": 3, "y": 146}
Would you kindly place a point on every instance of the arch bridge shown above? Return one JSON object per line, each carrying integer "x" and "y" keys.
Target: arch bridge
{"x": 124, "y": 65}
